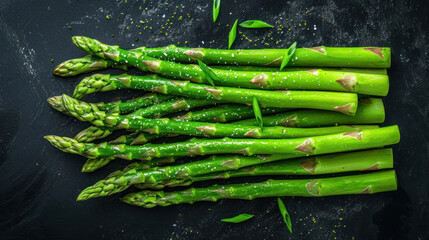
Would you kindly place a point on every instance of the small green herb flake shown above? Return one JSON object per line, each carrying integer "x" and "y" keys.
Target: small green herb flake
{"x": 238, "y": 219}
{"x": 288, "y": 56}
{"x": 107, "y": 17}
{"x": 232, "y": 34}
{"x": 216, "y": 8}
{"x": 210, "y": 75}
{"x": 69, "y": 27}
{"x": 285, "y": 214}
{"x": 258, "y": 114}
{"x": 52, "y": 60}
{"x": 255, "y": 24}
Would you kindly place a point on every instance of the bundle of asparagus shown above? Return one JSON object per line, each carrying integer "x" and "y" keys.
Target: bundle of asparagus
{"x": 310, "y": 120}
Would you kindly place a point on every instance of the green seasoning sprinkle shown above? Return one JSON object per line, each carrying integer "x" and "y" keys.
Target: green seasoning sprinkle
{"x": 285, "y": 214}
{"x": 107, "y": 17}
{"x": 216, "y": 8}
{"x": 69, "y": 27}
{"x": 52, "y": 60}
{"x": 210, "y": 75}
{"x": 238, "y": 219}
{"x": 288, "y": 56}
{"x": 255, "y": 24}
{"x": 232, "y": 34}
{"x": 258, "y": 114}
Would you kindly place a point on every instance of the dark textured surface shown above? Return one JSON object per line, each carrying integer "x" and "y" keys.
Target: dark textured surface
{"x": 39, "y": 184}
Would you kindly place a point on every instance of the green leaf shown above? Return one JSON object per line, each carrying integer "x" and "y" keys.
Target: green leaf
{"x": 210, "y": 75}
{"x": 216, "y": 8}
{"x": 232, "y": 34}
{"x": 238, "y": 219}
{"x": 258, "y": 114}
{"x": 288, "y": 56}
{"x": 255, "y": 24}
{"x": 285, "y": 214}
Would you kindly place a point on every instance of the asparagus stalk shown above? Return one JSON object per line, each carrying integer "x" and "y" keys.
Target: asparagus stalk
{"x": 244, "y": 166}
{"x": 370, "y": 183}
{"x": 334, "y": 101}
{"x": 225, "y": 113}
{"x": 381, "y": 71}
{"x": 363, "y": 57}
{"x": 173, "y": 105}
{"x": 370, "y": 111}
{"x": 317, "y": 79}
{"x": 87, "y": 112}
{"x": 295, "y": 147}
{"x": 87, "y": 64}
{"x": 117, "y": 107}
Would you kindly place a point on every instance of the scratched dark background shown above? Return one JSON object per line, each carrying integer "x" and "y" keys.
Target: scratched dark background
{"x": 39, "y": 184}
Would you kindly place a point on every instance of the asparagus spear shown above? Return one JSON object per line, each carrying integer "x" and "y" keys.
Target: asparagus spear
{"x": 317, "y": 79}
{"x": 244, "y": 166}
{"x": 370, "y": 111}
{"x": 117, "y": 107}
{"x": 342, "y": 102}
{"x": 296, "y": 147}
{"x": 381, "y": 71}
{"x": 174, "y": 105}
{"x": 86, "y": 112}
{"x": 225, "y": 113}
{"x": 370, "y": 183}
{"x": 87, "y": 64}
{"x": 363, "y": 57}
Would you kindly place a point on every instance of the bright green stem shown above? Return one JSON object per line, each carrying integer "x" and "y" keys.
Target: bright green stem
{"x": 370, "y": 111}
{"x": 375, "y": 182}
{"x": 316, "y": 79}
{"x": 244, "y": 166}
{"x": 297, "y": 147}
{"x": 381, "y": 71}
{"x": 225, "y": 113}
{"x": 360, "y": 57}
{"x": 334, "y": 101}
{"x": 170, "y": 106}
{"x": 86, "y": 64}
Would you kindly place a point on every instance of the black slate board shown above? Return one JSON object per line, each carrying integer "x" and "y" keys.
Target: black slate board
{"x": 39, "y": 184}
